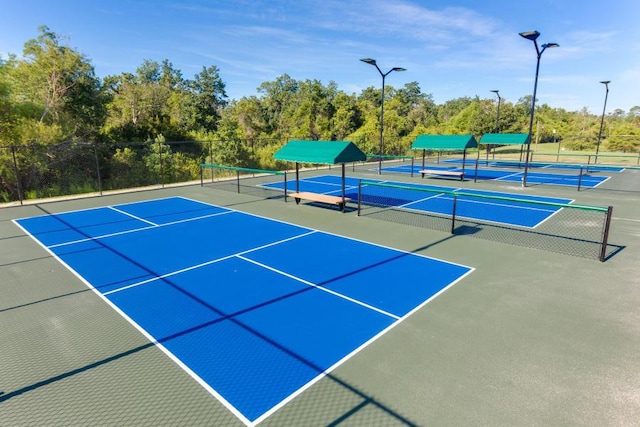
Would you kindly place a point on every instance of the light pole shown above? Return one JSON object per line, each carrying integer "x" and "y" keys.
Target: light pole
{"x": 497, "y": 92}
{"x": 606, "y": 85}
{"x": 373, "y": 62}
{"x": 533, "y": 36}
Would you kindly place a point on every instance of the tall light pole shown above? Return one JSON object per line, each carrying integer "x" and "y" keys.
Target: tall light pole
{"x": 533, "y": 36}
{"x": 497, "y": 92}
{"x": 606, "y": 85}
{"x": 373, "y": 62}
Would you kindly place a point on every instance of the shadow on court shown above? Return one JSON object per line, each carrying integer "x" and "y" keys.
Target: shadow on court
{"x": 330, "y": 392}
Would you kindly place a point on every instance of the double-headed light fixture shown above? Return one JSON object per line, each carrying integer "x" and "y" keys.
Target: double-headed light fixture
{"x": 373, "y": 62}
{"x": 533, "y": 36}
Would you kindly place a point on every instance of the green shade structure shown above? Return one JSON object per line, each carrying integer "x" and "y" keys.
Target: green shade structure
{"x": 320, "y": 152}
{"x": 505, "y": 138}
{"x": 521, "y": 139}
{"x": 444, "y": 143}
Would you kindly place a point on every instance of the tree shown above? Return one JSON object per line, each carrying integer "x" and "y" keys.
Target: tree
{"x": 61, "y": 84}
{"x": 208, "y": 98}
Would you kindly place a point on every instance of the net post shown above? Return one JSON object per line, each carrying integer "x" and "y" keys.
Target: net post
{"x": 412, "y": 162}
{"x": 238, "y": 180}
{"x": 201, "y": 176}
{"x": 580, "y": 178}
{"x": 453, "y": 215}
{"x": 359, "y": 195}
{"x": 475, "y": 174}
{"x": 605, "y": 234}
{"x": 285, "y": 186}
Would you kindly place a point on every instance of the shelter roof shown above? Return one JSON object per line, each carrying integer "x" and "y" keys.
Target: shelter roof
{"x": 505, "y": 138}
{"x": 320, "y": 152}
{"x": 444, "y": 142}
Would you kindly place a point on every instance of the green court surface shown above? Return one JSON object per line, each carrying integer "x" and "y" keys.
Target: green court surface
{"x": 529, "y": 338}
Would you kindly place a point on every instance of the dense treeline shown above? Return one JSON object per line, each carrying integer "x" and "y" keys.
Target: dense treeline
{"x": 51, "y": 95}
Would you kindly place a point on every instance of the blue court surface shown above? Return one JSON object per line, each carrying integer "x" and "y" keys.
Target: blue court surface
{"x": 533, "y": 177}
{"x": 256, "y": 310}
{"x": 516, "y": 211}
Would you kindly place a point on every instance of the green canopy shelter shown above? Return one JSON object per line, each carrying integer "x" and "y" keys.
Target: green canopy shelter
{"x": 320, "y": 152}
{"x": 441, "y": 143}
{"x": 520, "y": 139}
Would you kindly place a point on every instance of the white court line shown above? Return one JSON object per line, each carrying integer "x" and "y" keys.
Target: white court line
{"x": 435, "y": 196}
{"x": 461, "y": 199}
{"x": 135, "y": 230}
{"x": 339, "y": 295}
{"x": 507, "y": 176}
{"x": 195, "y": 376}
{"x": 131, "y": 215}
{"x": 193, "y": 267}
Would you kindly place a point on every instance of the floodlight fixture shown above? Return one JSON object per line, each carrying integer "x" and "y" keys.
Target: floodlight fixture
{"x": 530, "y": 35}
{"x": 384, "y": 75}
{"x": 533, "y": 36}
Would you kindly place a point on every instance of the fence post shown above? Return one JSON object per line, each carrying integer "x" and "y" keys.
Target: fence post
{"x": 15, "y": 168}
{"x": 95, "y": 153}
{"x": 605, "y": 234}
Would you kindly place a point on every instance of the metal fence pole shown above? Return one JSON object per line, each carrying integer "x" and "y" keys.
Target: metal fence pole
{"x": 15, "y": 168}
{"x": 95, "y": 153}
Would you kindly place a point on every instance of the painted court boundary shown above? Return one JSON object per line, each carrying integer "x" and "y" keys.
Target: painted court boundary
{"x": 203, "y": 383}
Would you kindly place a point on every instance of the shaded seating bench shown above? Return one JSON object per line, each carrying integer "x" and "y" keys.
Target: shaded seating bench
{"x": 440, "y": 172}
{"x": 322, "y": 198}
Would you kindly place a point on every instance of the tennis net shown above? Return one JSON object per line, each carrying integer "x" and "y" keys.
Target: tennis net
{"x": 572, "y": 229}
{"x": 261, "y": 183}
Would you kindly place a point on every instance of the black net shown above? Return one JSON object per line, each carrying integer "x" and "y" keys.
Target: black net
{"x": 255, "y": 182}
{"x": 564, "y": 228}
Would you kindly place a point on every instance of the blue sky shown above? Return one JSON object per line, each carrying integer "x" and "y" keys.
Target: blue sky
{"x": 451, "y": 48}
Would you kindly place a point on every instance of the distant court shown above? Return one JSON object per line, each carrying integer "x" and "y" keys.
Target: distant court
{"x": 255, "y": 310}
{"x": 515, "y": 211}
{"x": 500, "y": 170}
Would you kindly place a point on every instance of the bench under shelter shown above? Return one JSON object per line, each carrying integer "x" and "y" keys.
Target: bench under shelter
{"x": 444, "y": 143}
{"x": 320, "y": 153}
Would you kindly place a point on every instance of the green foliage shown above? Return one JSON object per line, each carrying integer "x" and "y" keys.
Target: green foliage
{"x": 52, "y": 98}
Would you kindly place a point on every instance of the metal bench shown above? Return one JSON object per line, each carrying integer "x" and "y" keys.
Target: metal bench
{"x": 322, "y": 198}
{"x": 440, "y": 172}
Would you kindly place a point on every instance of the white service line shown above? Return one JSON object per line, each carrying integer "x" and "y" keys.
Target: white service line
{"x": 193, "y": 267}
{"x": 355, "y": 301}
{"x": 135, "y": 230}
{"x": 131, "y": 215}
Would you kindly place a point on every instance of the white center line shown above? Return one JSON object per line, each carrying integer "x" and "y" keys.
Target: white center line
{"x": 363, "y": 304}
